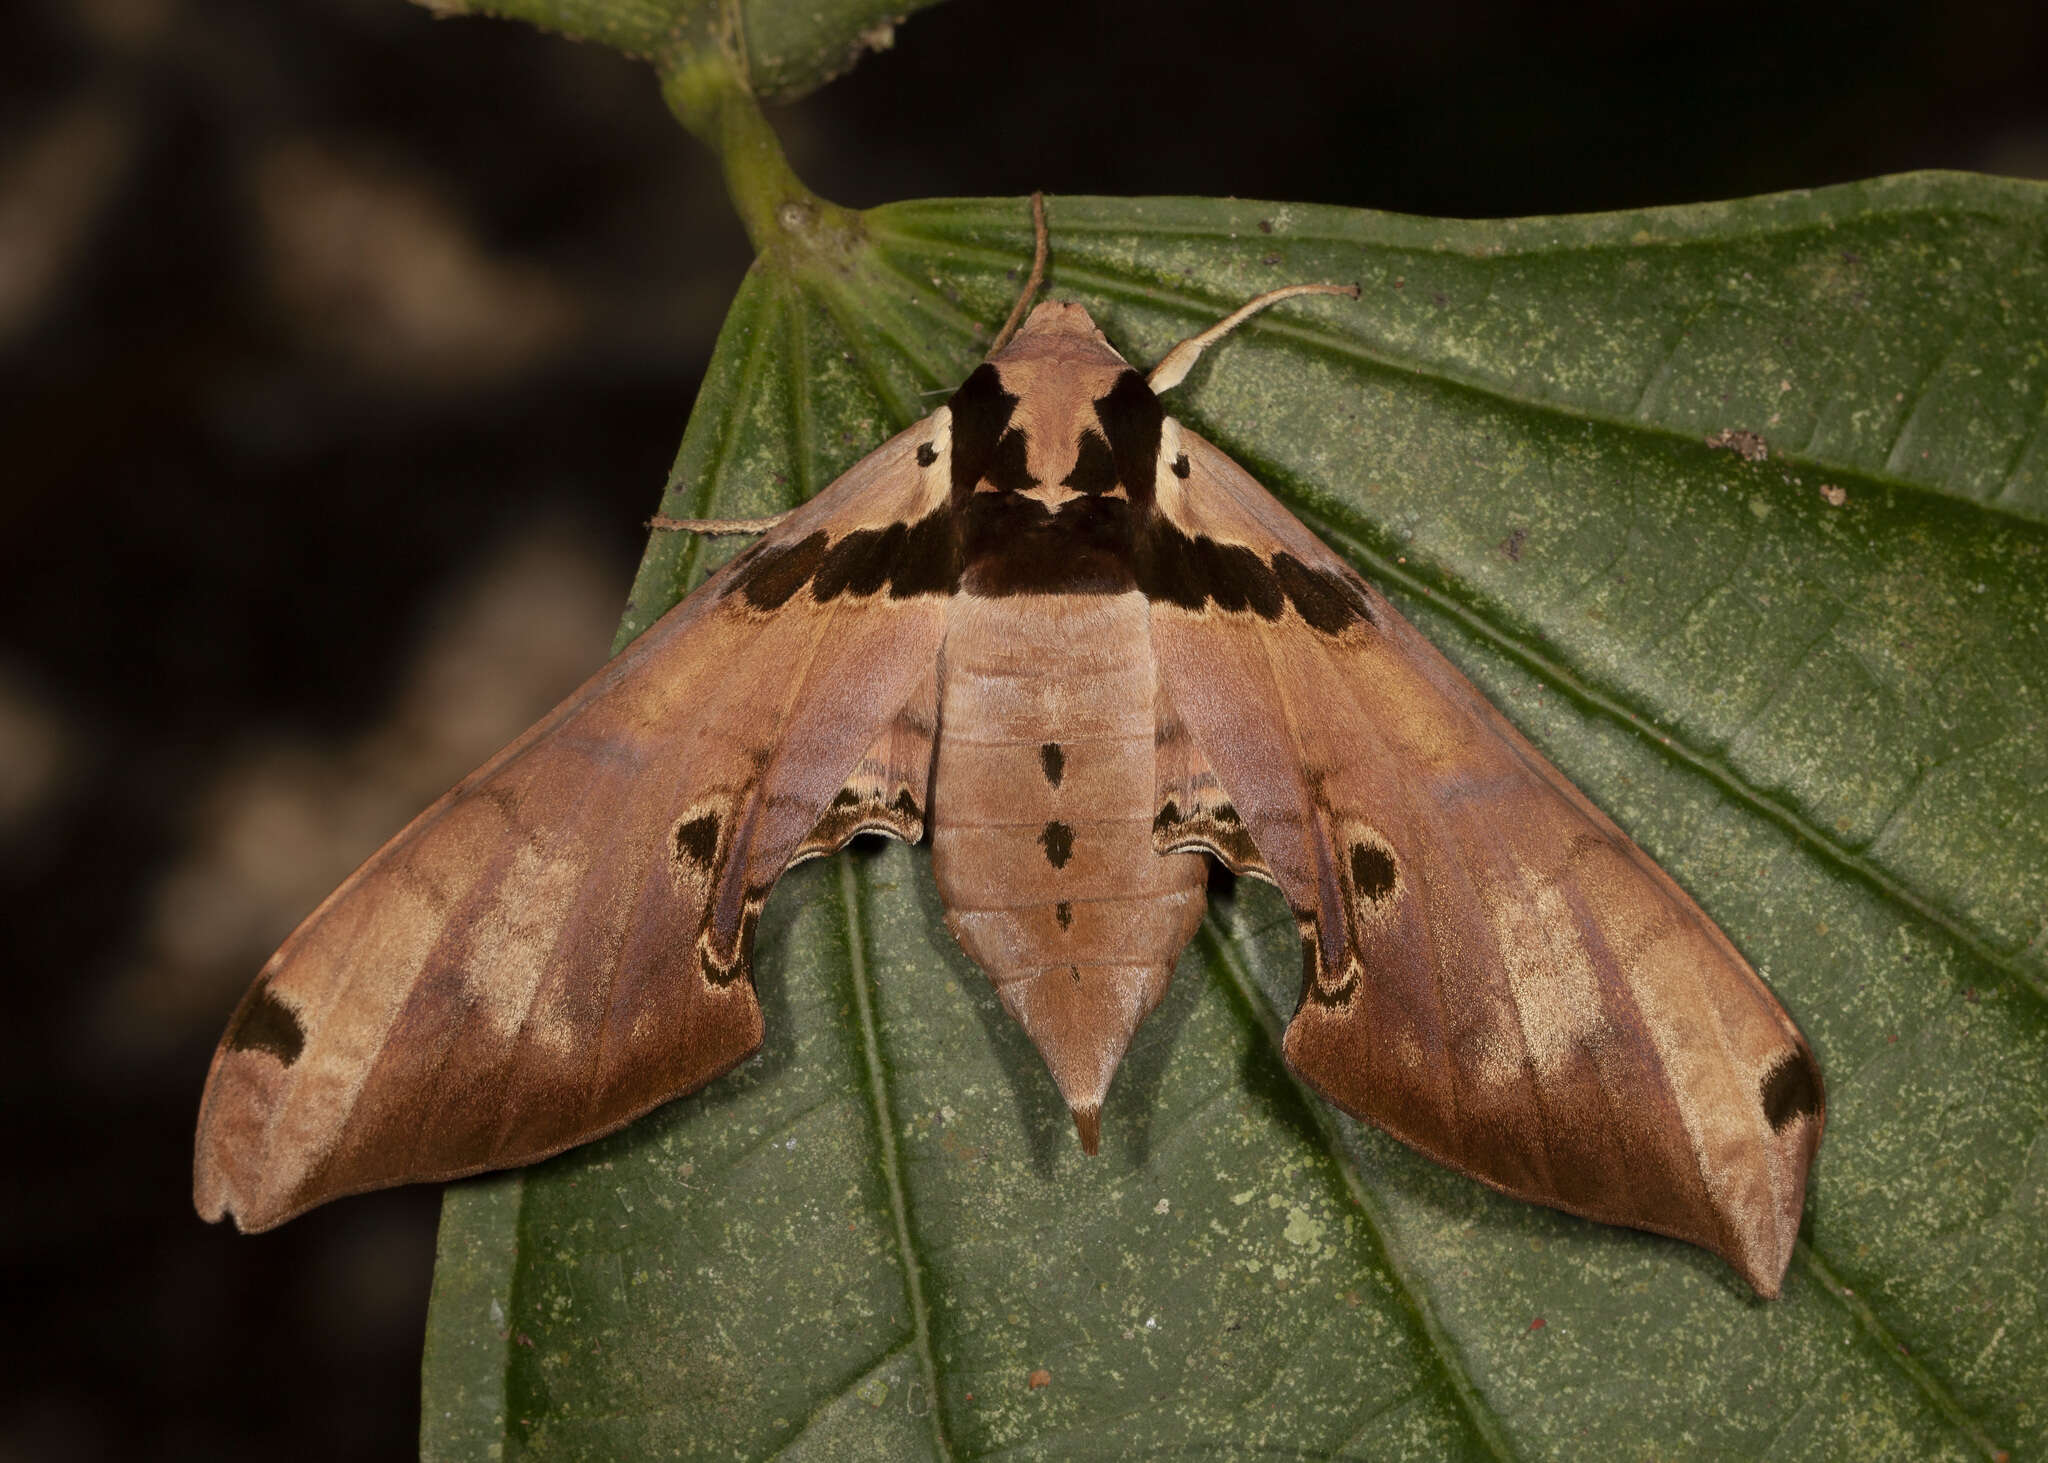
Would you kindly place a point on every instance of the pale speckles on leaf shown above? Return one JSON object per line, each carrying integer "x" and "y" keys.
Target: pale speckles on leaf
{"x": 1303, "y": 1231}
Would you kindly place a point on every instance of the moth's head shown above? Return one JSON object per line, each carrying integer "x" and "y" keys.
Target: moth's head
{"x": 1056, "y": 415}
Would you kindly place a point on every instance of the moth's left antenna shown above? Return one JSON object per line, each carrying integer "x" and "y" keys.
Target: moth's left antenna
{"x": 714, "y": 527}
{"x": 1032, "y": 281}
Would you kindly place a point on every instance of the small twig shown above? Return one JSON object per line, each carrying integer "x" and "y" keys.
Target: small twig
{"x": 713, "y": 527}
{"x": 1031, "y": 283}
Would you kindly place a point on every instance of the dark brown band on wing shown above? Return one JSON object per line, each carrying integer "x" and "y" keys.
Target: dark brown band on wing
{"x": 901, "y": 559}
{"x": 1194, "y": 572}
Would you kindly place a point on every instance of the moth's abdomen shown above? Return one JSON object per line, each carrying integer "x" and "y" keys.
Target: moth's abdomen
{"x": 1042, "y": 807}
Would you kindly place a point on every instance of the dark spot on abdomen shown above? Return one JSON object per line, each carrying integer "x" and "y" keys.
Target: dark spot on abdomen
{"x": 263, "y": 1023}
{"x": 1064, "y": 913}
{"x": 1058, "y": 841}
{"x": 1054, "y": 761}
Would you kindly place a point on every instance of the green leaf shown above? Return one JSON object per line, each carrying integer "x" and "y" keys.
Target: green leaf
{"x": 782, "y": 49}
{"x": 1814, "y": 685}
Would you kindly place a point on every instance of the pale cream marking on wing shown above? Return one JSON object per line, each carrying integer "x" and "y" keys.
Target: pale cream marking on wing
{"x": 1665, "y": 981}
{"x": 1550, "y": 972}
{"x": 938, "y": 476}
{"x": 1409, "y": 1050}
{"x": 512, "y": 944}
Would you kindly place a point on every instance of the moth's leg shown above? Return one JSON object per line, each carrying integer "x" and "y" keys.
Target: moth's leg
{"x": 713, "y": 527}
{"x": 1181, "y": 359}
{"x": 1031, "y": 281}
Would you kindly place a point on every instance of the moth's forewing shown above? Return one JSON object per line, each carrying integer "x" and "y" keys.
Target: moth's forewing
{"x": 1492, "y": 971}
{"x": 563, "y": 941}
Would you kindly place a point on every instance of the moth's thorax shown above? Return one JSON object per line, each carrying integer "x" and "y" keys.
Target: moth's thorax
{"x": 1052, "y": 449}
{"x": 1059, "y": 328}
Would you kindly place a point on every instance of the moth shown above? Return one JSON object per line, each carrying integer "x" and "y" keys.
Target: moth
{"x": 1075, "y": 644}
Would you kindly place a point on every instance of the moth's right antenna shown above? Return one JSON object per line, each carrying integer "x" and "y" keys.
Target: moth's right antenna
{"x": 1033, "y": 281}
{"x": 1170, "y": 372}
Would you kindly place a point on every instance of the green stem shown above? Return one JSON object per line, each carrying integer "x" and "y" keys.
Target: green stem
{"x": 708, "y": 92}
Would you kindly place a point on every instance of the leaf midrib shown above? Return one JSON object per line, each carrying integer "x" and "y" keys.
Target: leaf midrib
{"x": 875, "y": 1074}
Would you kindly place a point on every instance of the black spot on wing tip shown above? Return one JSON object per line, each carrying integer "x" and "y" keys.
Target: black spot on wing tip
{"x": 926, "y": 454}
{"x": 1790, "y": 1090}
{"x": 1058, "y": 841}
{"x": 719, "y": 973}
{"x": 1053, "y": 762}
{"x": 1372, "y": 871}
{"x": 1317, "y": 985}
{"x": 263, "y": 1023}
{"x": 1182, "y": 467}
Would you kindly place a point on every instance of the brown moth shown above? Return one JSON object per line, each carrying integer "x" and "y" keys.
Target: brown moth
{"x": 1081, "y": 648}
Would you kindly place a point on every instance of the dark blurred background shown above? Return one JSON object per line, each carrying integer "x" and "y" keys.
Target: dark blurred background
{"x": 342, "y": 351}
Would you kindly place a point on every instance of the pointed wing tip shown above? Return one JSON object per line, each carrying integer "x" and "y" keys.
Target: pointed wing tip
{"x": 1088, "y": 1123}
{"x": 1764, "y": 1274}
{"x": 217, "y": 1196}
{"x": 220, "y": 1211}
